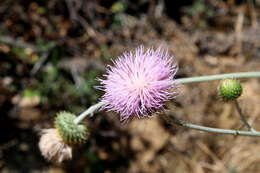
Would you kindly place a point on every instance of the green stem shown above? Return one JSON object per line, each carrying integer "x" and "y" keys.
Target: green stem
{"x": 218, "y": 77}
{"x": 89, "y": 111}
{"x": 173, "y": 120}
{"x": 95, "y": 107}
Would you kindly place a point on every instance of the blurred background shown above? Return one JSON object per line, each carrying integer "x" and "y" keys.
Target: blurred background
{"x": 52, "y": 51}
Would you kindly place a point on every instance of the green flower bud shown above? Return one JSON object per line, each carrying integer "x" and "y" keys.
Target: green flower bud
{"x": 229, "y": 89}
{"x": 70, "y": 132}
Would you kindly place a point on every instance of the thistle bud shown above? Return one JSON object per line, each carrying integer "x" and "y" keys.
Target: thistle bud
{"x": 229, "y": 89}
{"x": 56, "y": 144}
{"x": 70, "y": 132}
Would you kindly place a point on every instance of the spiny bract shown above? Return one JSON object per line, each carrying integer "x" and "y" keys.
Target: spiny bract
{"x": 70, "y": 132}
{"x": 229, "y": 89}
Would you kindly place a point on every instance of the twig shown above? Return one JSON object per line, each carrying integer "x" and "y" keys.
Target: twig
{"x": 236, "y": 49}
{"x": 37, "y": 66}
{"x": 171, "y": 119}
{"x": 18, "y": 43}
{"x": 73, "y": 8}
{"x": 76, "y": 77}
{"x": 21, "y": 43}
{"x": 242, "y": 117}
{"x": 44, "y": 52}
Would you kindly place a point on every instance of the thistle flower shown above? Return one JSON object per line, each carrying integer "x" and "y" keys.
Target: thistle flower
{"x": 52, "y": 146}
{"x": 139, "y": 82}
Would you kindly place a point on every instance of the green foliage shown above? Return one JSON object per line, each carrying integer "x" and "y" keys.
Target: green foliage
{"x": 30, "y": 93}
{"x": 232, "y": 170}
{"x": 55, "y": 84}
{"x": 118, "y": 8}
{"x": 105, "y": 53}
{"x": 93, "y": 162}
{"x": 200, "y": 7}
{"x": 42, "y": 10}
{"x": 25, "y": 55}
{"x": 44, "y": 46}
{"x": 86, "y": 89}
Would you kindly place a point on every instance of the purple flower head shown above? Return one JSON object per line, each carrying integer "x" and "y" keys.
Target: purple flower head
{"x": 139, "y": 82}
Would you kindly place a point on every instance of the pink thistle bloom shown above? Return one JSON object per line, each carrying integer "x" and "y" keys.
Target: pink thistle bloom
{"x": 139, "y": 82}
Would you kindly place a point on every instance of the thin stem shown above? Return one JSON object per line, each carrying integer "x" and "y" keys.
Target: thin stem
{"x": 242, "y": 116}
{"x": 89, "y": 111}
{"x": 93, "y": 108}
{"x": 173, "y": 120}
{"x": 218, "y": 77}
